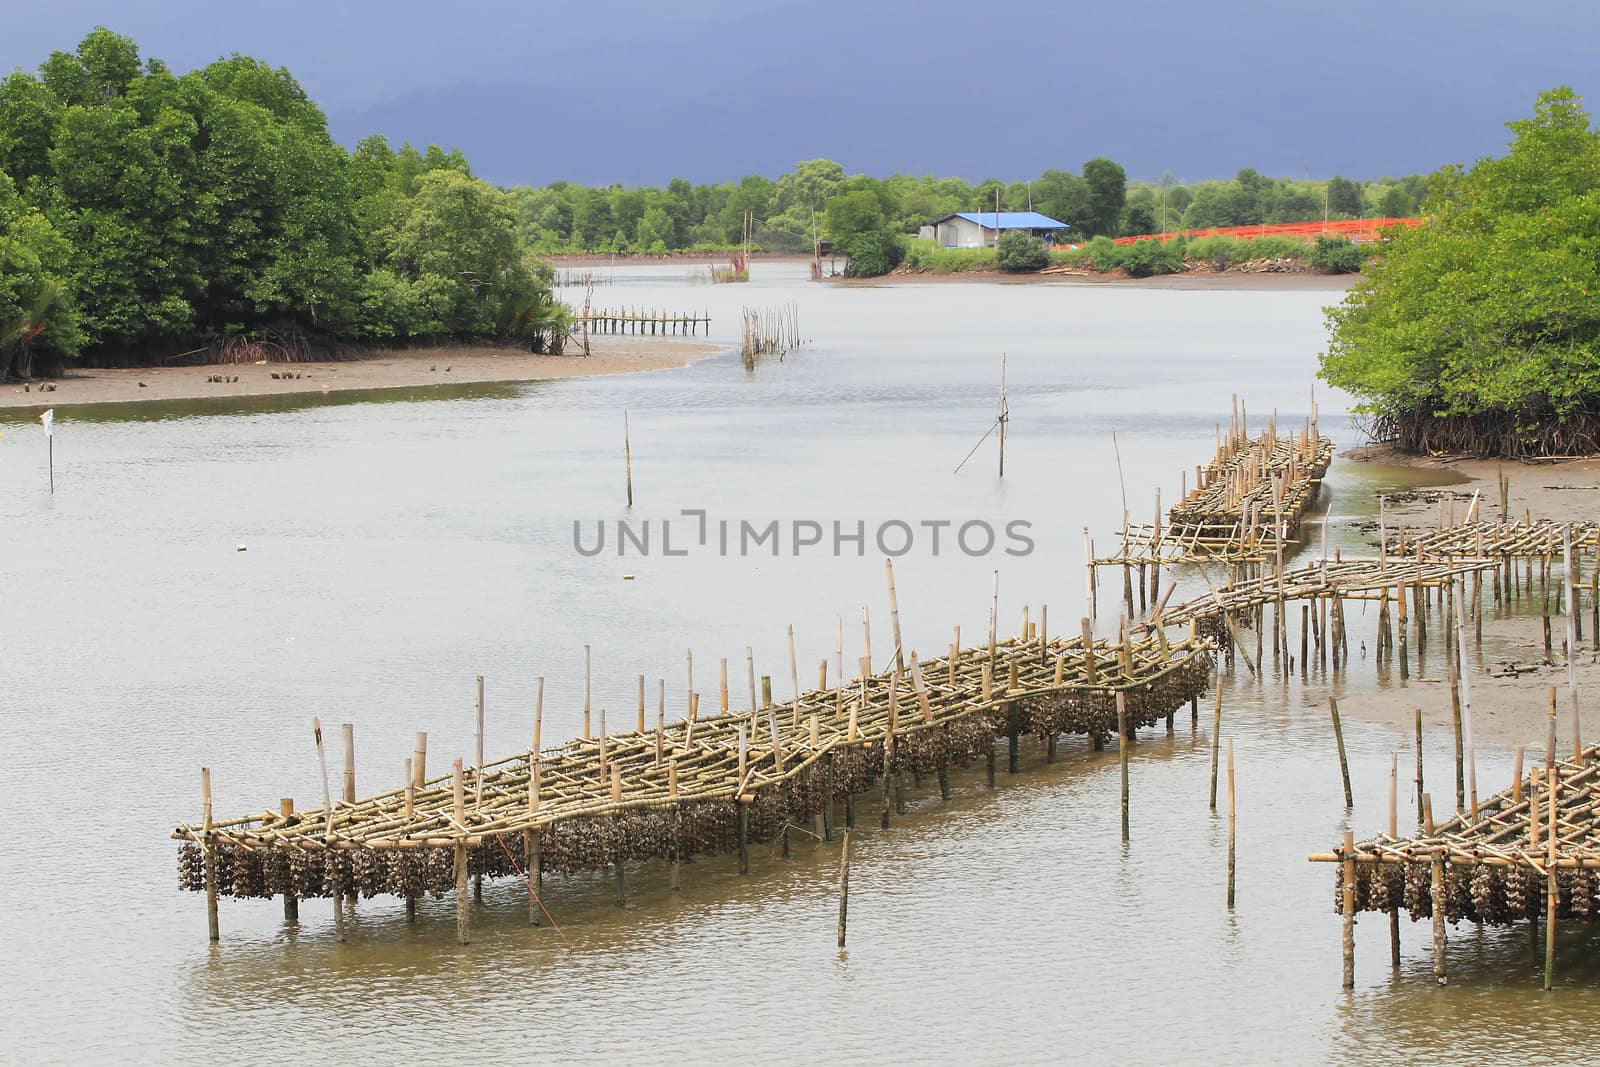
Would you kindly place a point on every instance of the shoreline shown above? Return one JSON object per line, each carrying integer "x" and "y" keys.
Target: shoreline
{"x": 389, "y": 369}
{"x": 1506, "y": 710}
{"x": 1195, "y": 281}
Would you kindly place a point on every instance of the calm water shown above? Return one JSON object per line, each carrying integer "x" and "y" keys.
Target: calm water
{"x": 398, "y": 545}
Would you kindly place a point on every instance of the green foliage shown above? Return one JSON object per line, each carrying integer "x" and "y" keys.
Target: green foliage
{"x": 1345, "y": 199}
{"x": 927, "y": 256}
{"x": 873, "y": 252}
{"x": 160, "y": 213}
{"x": 37, "y": 316}
{"x": 1491, "y": 308}
{"x": 1019, "y": 252}
{"x": 1144, "y": 258}
{"x": 1222, "y": 251}
{"x": 1336, "y": 255}
{"x": 1108, "y": 185}
{"x": 851, "y": 213}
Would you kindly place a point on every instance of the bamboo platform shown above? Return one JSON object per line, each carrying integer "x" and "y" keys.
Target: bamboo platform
{"x": 1495, "y": 540}
{"x": 1530, "y": 851}
{"x": 1246, "y": 505}
{"x": 638, "y": 321}
{"x": 1351, "y": 579}
{"x": 696, "y": 786}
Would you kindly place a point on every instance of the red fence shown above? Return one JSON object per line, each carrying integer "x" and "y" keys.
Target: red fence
{"x": 1351, "y": 229}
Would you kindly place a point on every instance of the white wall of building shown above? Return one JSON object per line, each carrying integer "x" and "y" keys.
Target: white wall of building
{"x": 963, "y": 233}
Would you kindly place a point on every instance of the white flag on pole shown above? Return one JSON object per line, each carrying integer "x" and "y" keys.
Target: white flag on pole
{"x": 49, "y": 420}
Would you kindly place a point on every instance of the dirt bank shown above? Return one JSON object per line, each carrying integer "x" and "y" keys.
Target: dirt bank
{"x": 383, "y": 370}
{"x": 1508, "y": 707}
{"x": 1289, "y": 281}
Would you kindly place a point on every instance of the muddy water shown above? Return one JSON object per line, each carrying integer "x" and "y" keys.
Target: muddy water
{"x": 398, "y": 544}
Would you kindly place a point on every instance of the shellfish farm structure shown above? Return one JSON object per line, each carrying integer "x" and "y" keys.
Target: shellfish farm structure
{"x": 1531, "y": 851}
{"x": 695, "y": 786}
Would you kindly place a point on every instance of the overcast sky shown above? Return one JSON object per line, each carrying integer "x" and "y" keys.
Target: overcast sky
{"x": 620, "y": 90}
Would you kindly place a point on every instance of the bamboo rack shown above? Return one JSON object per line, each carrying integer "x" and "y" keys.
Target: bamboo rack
{"x": 698, "y": 785}
{"x": 640, "y": 321}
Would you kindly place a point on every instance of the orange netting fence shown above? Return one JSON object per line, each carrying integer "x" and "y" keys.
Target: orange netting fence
{"x": 1351, "y": 229}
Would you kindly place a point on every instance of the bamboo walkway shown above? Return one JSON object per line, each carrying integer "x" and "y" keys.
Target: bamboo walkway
{"x": 698, "y": 785}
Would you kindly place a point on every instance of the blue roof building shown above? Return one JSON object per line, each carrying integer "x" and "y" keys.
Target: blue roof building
{"x": 979, "y": 229}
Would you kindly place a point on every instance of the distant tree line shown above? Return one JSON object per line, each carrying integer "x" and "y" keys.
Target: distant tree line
{"x": 818, "y": 200}
{"x": 145, "y": 214}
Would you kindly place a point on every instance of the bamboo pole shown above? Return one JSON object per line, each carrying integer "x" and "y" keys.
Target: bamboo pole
{"x": 627, "y": 455}
{"x": 1349, "y": 908}
{"x": 1122, "y": 735}
{"x": 348, "y": 731}
{"x": 1394, "y": 835}
{"x": 1572, "y": 642}
{"x": 1552, "y": 889}
{"x": 586, "y": 691}
{"x": 327, "y": 806}
{"x": 291, "y": 905}
{"x": 844, "y": 885}
{"x": 1344, "y": 765}
{"x": 894, "y": 616}
{"x": 1466, "y": 701}
{"x": 1216, "y": 739}
{"x": 463, "y": 935}
{"x": 794, "y": 678}
{"x": 213, "y": 926}
{"x": 1232, "y": 837}
{"x": 419, "y": 760}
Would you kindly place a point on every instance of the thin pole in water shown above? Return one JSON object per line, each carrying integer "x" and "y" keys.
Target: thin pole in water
{"x": 1003, "y": 415}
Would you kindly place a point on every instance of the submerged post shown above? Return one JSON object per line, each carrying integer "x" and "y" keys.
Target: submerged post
{"x": 291, "y": 905}
{"x": 327, "y": 807}
{"x": 1216, "y": 741}
{"x": 1122, "y": 739}
{"x": 1349, "y": 909}
{"x": 844, "y": 885}
{"x": 1232, "y": 808}
{"x": 1552, "y": 890}
{"x": 462, "y": 919}
{"x": 215, "y": 930}
{"x": 1344, "y": 766}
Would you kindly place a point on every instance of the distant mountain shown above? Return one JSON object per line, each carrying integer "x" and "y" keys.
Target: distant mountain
{"x": 622, "y": 90}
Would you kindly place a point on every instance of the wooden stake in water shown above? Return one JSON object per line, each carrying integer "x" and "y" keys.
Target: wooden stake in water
{"x": 212, "y": 923}
{"x": 1344, "y": 766}
{"x": 1216, "y": 739}
{"x": 1572, "y": 642}
{"x": 459, "y": 791}
{"x": 1232, "y": 809}
{"x": 627, "y": 455}
{"x": 894, "y": 616}
{"x": 1552, "y": 890}
{"x": 844, "y": 885}
{"x": 1466, "y": 700}
{"x": 49, "y": 421}
{"x": 1003, "y": 415}
{"x": 1394, "y": 834}
{"x": 1122, "y": 735}
{"x": 327, "y": 807}
{"x": 1348, "y": 906}
{"x": 477, "y": 773}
